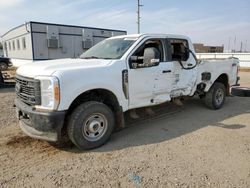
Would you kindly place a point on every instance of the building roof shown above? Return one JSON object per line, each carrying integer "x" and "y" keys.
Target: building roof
{"x": 62, "y": 25}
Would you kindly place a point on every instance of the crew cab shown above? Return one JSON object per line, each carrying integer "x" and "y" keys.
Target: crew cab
{"x": 84, "y": 99}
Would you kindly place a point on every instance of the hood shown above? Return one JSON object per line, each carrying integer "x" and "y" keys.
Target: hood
{"x": 48, "y": 67}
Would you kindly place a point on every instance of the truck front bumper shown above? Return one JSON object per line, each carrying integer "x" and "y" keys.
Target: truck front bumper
{"x": 40, "y": 125}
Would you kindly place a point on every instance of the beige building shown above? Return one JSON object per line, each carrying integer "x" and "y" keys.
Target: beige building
{"x": 201, "y": 48}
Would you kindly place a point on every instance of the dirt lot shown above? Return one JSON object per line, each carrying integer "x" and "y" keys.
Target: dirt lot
{"x": 192, "y": 147}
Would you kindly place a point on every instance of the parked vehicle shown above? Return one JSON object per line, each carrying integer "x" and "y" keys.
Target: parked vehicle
{"x": 85, "y": 98}
{"x": 5, "y": 63}
{"x": 3, "y": 83}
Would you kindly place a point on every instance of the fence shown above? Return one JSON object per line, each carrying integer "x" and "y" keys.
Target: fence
{"x": 244, "y": 58}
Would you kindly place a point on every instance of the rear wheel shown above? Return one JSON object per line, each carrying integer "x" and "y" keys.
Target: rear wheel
{"x": 90, "y": 125}
{"x": 216, "y": 96}
{"x": 3, "y": 66}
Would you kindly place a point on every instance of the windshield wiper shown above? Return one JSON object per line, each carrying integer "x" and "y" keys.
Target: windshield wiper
{"x": 91, "y": 57}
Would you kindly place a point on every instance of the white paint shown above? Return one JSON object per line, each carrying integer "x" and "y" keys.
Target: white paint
{"x": 244, "y": 58}
{"x": 147, "y": 86}
{"x": 20, "y": 62}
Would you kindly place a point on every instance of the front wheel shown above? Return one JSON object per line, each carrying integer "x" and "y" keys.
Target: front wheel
{"x": 216, "y": 96}
{"x": 90, "y": 125}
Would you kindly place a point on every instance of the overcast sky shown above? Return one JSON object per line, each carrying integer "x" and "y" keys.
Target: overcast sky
{"x": 211, "y": 22}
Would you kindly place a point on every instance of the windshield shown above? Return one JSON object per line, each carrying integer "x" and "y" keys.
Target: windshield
{"x": 109, "y": 49}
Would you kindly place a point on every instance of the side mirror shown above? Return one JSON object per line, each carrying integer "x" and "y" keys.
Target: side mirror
{"x": 151, "y": 57}
{"x": 136, "y": 61}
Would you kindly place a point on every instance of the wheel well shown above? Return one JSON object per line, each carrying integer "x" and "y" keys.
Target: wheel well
{"x": 223, "y": 78}
{"x": 99, "y": 95}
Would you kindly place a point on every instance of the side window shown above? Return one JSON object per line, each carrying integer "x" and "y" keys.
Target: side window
{"x": 178, "y": 50}
{"x": 5, "y": 46}
{"x": 13, "y": 45}
{"x": 150, "y": 44}
{"x": 24, "y": 43}
{"x": 18, "y": 44}
{"x": 9, "y": 46}
{"x": 149, "y": 54}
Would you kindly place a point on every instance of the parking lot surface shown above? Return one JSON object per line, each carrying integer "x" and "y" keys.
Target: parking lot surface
{"x": 190, "y": 147}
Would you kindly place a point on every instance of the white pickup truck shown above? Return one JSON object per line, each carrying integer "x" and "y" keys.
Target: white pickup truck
{"x": 84, "y": 99}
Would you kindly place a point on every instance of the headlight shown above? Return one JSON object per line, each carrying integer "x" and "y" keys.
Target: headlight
{"x": 50, "y": 93}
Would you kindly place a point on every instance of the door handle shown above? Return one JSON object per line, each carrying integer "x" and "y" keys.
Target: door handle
{"x": 166, "y": 71}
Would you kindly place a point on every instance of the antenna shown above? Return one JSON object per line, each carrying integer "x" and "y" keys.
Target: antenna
{"x": 138, "y": 15}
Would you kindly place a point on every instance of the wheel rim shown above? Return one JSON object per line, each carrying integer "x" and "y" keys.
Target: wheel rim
{"x": 95, "y": 127}
{"x": 219, "y": 96}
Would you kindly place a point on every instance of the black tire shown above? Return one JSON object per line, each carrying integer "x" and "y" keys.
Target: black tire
{"x": 240, "y": 91}
{"x": 85, "y": 120}
{"x": 1, "y": 78}
{"x": 216, "y": 96}
{"x": 3, "y": 66}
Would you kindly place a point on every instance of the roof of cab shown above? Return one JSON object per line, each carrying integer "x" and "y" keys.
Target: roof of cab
{"x": 153, "y": 35}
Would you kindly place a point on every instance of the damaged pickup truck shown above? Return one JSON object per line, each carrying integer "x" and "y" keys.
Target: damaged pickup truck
{"x": 84, "y": 99}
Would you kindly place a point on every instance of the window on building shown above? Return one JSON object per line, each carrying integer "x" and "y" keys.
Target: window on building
{"x": 5, "y": 46}
{"x": 9, "y": 46}
{"x": 13, "y": 45}
{"x": 24, "y": 43}
{"x": 18, "y": 44}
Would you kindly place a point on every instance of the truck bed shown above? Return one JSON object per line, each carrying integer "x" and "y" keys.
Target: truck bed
{"x": 217, "y": 67}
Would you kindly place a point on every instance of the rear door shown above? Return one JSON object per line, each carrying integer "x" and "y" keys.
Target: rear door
{"x": 184, "y": 70}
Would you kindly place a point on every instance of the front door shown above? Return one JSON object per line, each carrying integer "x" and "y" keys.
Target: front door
{"x": 163, "y": 82}
{"x": 149, "y": 85}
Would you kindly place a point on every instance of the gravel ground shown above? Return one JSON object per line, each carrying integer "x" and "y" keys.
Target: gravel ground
{"x": 194, "y": 147}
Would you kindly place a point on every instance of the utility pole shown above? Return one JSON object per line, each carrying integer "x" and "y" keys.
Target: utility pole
{"x": 246, "y": 46}
{"x": 241, "y": 47}
{"x": 229, "y": 44}
{"x": 235, "y": 44}
{"x": 138, "y": 15}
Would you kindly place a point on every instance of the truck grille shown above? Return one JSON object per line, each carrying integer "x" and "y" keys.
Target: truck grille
{"x": 28, "y": 90}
